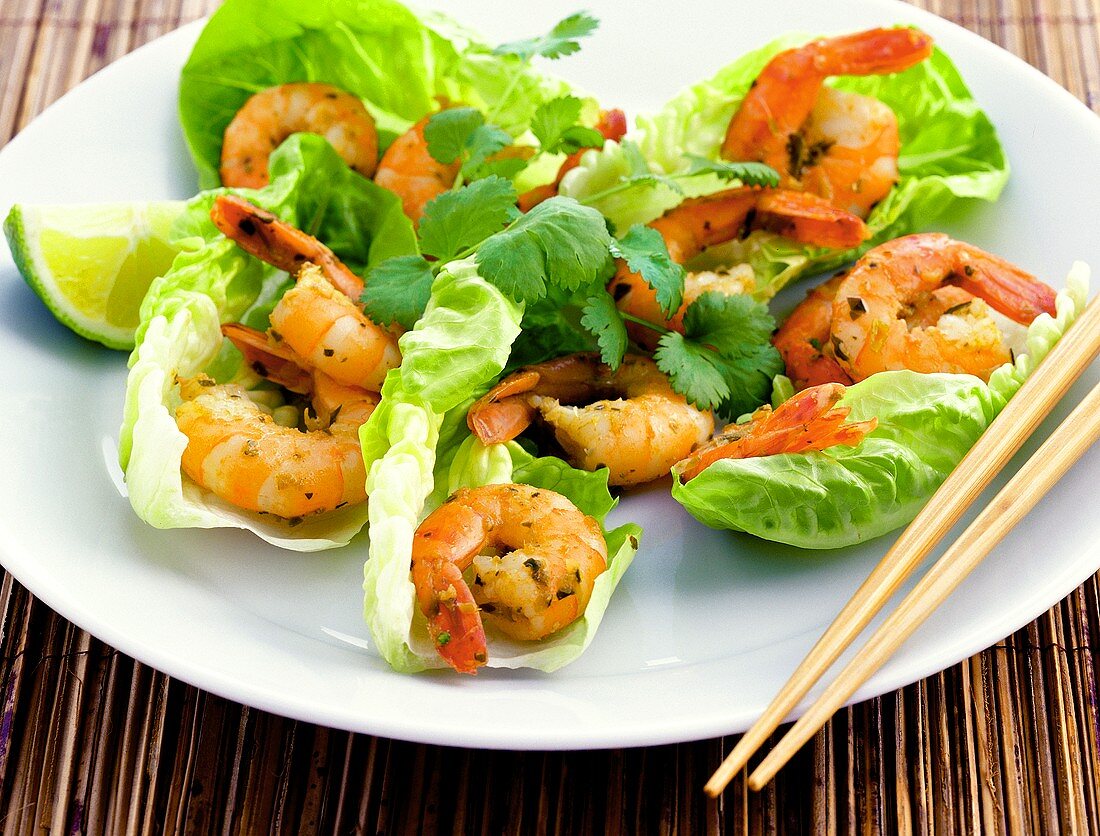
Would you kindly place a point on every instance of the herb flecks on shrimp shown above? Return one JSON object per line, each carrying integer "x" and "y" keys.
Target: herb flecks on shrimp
{"x": 628, "y": 420}
{"x": 811, "y": 420}
{"x": 271, "y": 115}
{"x": 532, "y": 558}
{"x": 239, "y": 452}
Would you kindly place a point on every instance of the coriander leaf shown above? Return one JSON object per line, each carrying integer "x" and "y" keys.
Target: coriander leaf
{"x": 645, "y": 252}
{"x": 454, "y": 222}
{"x": 694, "y": 370}
{"x": 502, "y": 166}
{"x": 578, "y": 137}
{"x": 482, "y": 143}
{"x": 559, "y": 242}
{"x": 551, "y": 118}
{"x": 555, "y": 126}
{"x": 603, "y": 319}
{"x": 739, "y": 330}
{"x": 751, "y": 174}
{"x": 448, "y": 132}
{"x": 729, "y": 322}
{"x": 561, "y": 40}
{"x": 397, "y": 290}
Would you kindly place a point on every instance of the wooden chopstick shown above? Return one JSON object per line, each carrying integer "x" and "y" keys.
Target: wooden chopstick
{"x": 1032, "y": 481}
{"x": 1008, "y": 431}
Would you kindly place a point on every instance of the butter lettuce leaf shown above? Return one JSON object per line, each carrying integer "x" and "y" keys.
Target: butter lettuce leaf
{"x": 846, "y": 495}
{"x": 950, "y": 154}
{"x": 212, "y": 281}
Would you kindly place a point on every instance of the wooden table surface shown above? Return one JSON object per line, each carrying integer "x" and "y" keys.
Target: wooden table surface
{"x": 91, "y": 741}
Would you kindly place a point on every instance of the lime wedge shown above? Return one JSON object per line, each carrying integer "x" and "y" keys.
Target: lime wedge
{"x": 91, "y": 264}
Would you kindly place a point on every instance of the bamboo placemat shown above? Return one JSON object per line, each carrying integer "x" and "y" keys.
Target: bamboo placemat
{"x": 91, "y": 741}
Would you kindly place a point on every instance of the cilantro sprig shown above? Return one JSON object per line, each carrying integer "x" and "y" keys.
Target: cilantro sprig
{"x": 558, "y": 243}
{"x": 641, "y": 177}
{"x": 563, "y": 39}
{"x": 466, "y": 134}
{"x": 724, "y": 360}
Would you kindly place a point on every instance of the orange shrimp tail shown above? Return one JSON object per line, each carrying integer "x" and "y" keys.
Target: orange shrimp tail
{"x": 809, "y": 219}
{"x": 612, "y": 125}
{"x": 272, "y": 361}
{"x": 456, "y": 628}
{"x": 808, "y": 421}
{"x": 1005, "y": 287}
{"x": 871, "y": 52}
{"x": 261, "y": 234}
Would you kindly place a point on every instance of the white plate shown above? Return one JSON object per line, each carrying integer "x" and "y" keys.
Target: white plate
{"x": 706, "y": 625}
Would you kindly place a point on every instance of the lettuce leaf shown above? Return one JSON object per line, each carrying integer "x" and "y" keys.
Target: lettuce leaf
{"x": 950, "y": 154}
{"x": 845, "y": 495}
{"x": 419, "y": 451}
{"x": 213, "y": 281}
{"x": 396, "y": 62}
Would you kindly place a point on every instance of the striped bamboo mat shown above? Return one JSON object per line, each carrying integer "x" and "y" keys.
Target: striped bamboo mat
{"x": 91, "y": 741}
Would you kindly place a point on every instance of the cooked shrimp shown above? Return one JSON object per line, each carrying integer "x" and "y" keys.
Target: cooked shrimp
{"x": 259, "y": 233}
{"x": 870, "y": 331}
{"x": 612, "y": 125}
{"x": 240, "y": 453}
{"x": 841, "y": 146}
{"x": 315, "y": 317}
{"x": 698, "y": 223}
{"x": 803, "y": 339}
{"x": 408, "y": 170}
{"x": 637, "y": 429}
{"x": 534, "y": 556}
{"x": 272, "y": 115}
{"x": 810, "y": 420}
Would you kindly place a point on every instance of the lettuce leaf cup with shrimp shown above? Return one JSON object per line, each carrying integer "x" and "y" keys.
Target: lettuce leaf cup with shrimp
{"x": 850, "y": 493}
{"x": 213, "y": 281}
{"x": 403, "y": 65}
{"x": 419, "y": 451}
{"x": 949, "y": 156}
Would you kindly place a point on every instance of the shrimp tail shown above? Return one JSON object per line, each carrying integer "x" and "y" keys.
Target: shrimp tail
{"x": 276, "y": 362}
{"x": 456, "y": 627}
{"x": 503, "y": 413}
{"x": 1004, "y": 286}
{"x": 809, "y": 219}
{"x": 873, "y": 52}
{"x": 261, "y": 234}
{"x": 810, "y": 420}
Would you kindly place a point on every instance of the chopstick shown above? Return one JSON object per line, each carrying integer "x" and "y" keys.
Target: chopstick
{"x": 1064, "y": 447}
{"x": 1005, "y": 435}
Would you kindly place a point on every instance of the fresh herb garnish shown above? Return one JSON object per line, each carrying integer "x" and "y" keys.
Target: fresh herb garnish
{"x": 641, "y": 177}
{"x": 563, "y": 39}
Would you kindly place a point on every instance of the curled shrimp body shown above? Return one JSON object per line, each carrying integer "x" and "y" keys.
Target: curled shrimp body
{"x": 242, "y": 455}
{"x": 408, "y": 170}
{"x": 533, "y": 557}
{"x": 804, "y": 343}
{"x": 810, "y": 420}
{"x": 919, "y": 303}
{"x": 316, "y": 318}
{"x": 271, "y": 115}
{"x": 332, "y": 335}
{"x": 841, "y": 146}
{"x": 629, "y": 420}
{"x": 698, "y": 223}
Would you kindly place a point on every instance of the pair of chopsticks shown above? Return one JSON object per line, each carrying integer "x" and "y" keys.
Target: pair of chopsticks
{"x": 1001, "y": 440}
